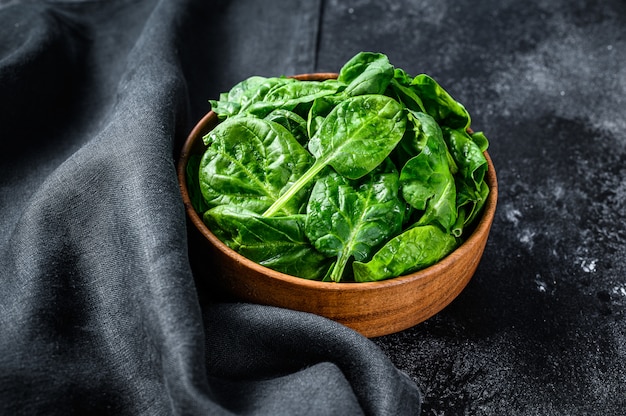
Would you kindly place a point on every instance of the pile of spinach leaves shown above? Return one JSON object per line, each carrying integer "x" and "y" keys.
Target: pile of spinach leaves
{"x": 369, "y": 176}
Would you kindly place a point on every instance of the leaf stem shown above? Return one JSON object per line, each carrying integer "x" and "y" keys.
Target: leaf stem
{"x": 337, "y": 273}
{"x": 296, "y": 187}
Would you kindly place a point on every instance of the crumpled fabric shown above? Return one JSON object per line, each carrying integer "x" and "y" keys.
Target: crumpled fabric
{"x": 99, "y": 310}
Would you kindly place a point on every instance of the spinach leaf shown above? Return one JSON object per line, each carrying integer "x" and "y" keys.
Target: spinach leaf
{"x": 296, "y": 125}
{"x": 249, "y": 90}
{"x": 467, "y": 154}
{"x": 355, "y": 137}
{"x": 250, "y": 162}
{"x": 259, "y": 95}
{"x": 291, "y": 93}
{"x": 349, "y": 219}
{"x": 426, "y": 180}
{"x": 320, "y": 109}
{"x": 472, "y": 190}
{"x": 439, "y": 104}
{"x": 414, "y": 249}
{"x": 401, "y": 87}
{"x": 481, "y": 141}
{"x": 421, "y": 127}
{"x": 366, "y": 73}
{"x": 279, "y": 243}
{"x": 469, "y": 202}
{"x": 243, "y": 91}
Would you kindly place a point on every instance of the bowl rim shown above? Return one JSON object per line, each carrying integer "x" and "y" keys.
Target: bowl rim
{"x": 210, "y": 119}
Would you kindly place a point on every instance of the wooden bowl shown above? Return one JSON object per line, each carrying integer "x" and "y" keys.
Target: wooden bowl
{"x": 371, "y": 308}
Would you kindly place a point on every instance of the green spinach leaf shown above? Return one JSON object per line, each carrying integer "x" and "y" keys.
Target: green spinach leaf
{"x": 481, "y": 141}
{"x": 357, "y": 135}
{"x": 467, "y": 154}
{"x": 421, "y": 127}
{"x": 470, "y": 202}
{"x": 440, "y": 104}
{"x": 401, "y": 87}
{"x": 249, "y": 90}
{"x": 250, "y": 162}
{"x": 366, "y": 73}
{"x": 348, "y": 219}
{"x": 426, "y": 179}
{"x": 279, "y": 243}
{"x": 320, "y": 109}
{"x": 293, "y": 122}
{"x": 414, "y": 249}
{"x": 290, "y": 94}
{"x": 259, "y": 95}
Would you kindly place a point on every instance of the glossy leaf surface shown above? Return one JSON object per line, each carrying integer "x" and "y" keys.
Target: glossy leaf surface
{"x": 278, "y": 242}
{"x": 250, "y": 162}
{"x": 440, "y": 104}
{"x": 355, "y": 137}
{"x": 293, "y": 122}
{"x": 426, "y": 180}
{"x": 468, "y": 156}
{"x": 414, "y": 249}
{"x": 348, "y": 219}
{"x": 366, "y": 73}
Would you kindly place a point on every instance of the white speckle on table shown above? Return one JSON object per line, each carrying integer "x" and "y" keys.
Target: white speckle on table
{"x": 619, "y": 290}
{"x": 541, "y": 285}
{"x": 526, "y": 237}
{"x": 588, "y": 265}
{"x": 512, "y": 215}
{"x": 558, "y": 191}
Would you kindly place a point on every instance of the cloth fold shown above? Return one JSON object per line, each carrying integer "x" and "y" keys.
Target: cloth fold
{"x": 99, "y": 313}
